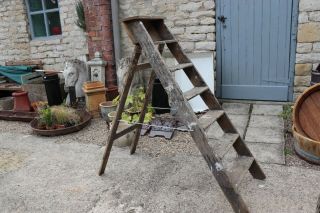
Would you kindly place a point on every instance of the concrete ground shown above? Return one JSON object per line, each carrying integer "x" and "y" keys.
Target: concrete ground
{"x": 39, "y": 174}
{"x": 261, "y": 127}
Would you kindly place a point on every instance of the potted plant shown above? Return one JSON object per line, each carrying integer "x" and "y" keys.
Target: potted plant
{"x": 131, "y": 114}
{"x": 108, "y": 106}
{"x": 57, "y": 117}
{"x": 133, "y": 107}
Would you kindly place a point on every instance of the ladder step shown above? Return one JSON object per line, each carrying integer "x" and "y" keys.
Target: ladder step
{"x": 194, "y": 92}
{"x": 126, "y": 131}
{"x": 238, "y": 168}
{"x": 210, "y": 117}
{"x": 223, "y": 144}
{"x": 143, "y": 66}
{"x": 165, "y": 42}
{"x": 180, "y": 66}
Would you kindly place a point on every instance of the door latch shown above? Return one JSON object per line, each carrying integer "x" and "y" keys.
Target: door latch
{"x": 222, "y": 19}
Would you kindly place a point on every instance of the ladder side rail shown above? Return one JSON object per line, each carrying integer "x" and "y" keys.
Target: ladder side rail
{"x": 111, "y": 137}
{"x": 143, "y": 113}
{"x": 192, "y": 72}
{"x": 186, "y": 115}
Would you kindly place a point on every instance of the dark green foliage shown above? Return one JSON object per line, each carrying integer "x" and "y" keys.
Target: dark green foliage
{"x": 81, "y": 21}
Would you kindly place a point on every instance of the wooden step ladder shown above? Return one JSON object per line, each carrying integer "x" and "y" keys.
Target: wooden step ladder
{"x": 150, "y": 35}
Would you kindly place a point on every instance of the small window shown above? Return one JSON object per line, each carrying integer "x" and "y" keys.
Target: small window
{"x": 44, "y": 18}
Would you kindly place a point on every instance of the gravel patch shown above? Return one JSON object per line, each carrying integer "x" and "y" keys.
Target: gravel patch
{"x": 96, "y": 133}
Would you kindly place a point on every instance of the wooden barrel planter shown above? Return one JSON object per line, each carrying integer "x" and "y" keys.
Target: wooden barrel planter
{"x": 306, "y": 124}
{"x": 306, "y": 148}
{"x": 86, "y": 117}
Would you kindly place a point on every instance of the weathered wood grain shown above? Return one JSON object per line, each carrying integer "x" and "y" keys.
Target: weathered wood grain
{"x": 185, "y": 113}
{"x": 194, "y": 92}
{"x": 113, "y": 132}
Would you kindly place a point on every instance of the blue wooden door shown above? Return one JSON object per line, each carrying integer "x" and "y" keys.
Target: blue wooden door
{"x": 253, "y": 49}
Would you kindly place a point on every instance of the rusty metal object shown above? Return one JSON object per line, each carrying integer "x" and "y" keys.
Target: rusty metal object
{"x": 10, "y": 115}
{"x": 86, "y": 117}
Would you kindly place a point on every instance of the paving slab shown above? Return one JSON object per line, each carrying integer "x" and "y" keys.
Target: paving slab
{"x": 266, "y": 121}
{"x": 236, "y": 108}
{"x": 268, "y": 152}
{"x": 264, "y": 135}
{"x": 240, "y": 122}
{"x": 55, "y": 177}
{"x": 259, "y": 109}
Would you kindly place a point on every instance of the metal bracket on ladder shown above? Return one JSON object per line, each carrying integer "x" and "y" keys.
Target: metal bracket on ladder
{"x": 146, "y": 33}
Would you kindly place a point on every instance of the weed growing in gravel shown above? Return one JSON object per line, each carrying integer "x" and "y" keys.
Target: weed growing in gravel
{"x": 288, "y": 151}
{"x": 287, "y": 112}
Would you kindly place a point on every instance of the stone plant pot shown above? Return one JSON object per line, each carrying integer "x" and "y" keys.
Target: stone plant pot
{"x": 105, "y": 108}
{"x": 6, "y": 103}
{"x": 125, "y": 140}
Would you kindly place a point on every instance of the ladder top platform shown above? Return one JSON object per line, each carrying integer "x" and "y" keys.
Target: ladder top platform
{"x": 143, "y": 18}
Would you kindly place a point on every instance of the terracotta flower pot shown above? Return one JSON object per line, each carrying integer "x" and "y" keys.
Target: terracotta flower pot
{"x": 21, "y": 102}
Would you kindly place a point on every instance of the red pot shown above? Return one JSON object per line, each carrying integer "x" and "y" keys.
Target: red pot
{"x": 21, "y": 102}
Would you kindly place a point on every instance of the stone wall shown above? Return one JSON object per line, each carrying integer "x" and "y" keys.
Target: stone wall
{"x": 191, "y": 21}
{"x": 308, "y": 46}
{"x": 16, "y": 42}
{"x": 14, "y": 37}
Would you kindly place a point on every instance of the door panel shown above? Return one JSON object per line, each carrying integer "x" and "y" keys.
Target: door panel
{"x": 254, "y": 49}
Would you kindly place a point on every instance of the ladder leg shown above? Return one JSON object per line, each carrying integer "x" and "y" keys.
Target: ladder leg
{"x": 145, "y": 105}
{"x": 143, "y": 112}
{"x": 255, "y": 169}
{"x": 131, "y": 69}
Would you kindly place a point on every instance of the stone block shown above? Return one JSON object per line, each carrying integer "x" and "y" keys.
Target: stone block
{"x": 308, "y": 58}
{"x": 207, "y": 21}
{"x": 187, "y": 45}
{"x": 199, "y": 14}
{"x": 303, "y": 18}
{"x": 187, "y": 22}
{"x": 303, "y": 69}
{"x": 299, "y": 89}
{"x": 211, "y": 36}
{"x": 304, "y": 47}
{"x": 302, "y": 80}
{"x": 314, "y": 16}
{"x": 177, "y": 30}
{"x": 192, "y": 37}
{"x": 316, "y": 47}
{"x": 200, "y": 29}
{"x": 264, "y": 135}
{"x": 191, "y": 6}
{"x": 309, "y": 5}
{"x": 309, "y": 32}
{"x": 267, "y": 153}
{"x": 266, "y": 121}
{"x": 240, "y": 122}
{"x": 209, "y": 5}
{"x": 236, "y": 108}
{"x": 206, "y": 45}
{"x": 261, "y": 109}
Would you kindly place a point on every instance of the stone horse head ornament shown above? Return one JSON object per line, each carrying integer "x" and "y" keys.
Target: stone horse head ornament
{"x": 75, "y": 74}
